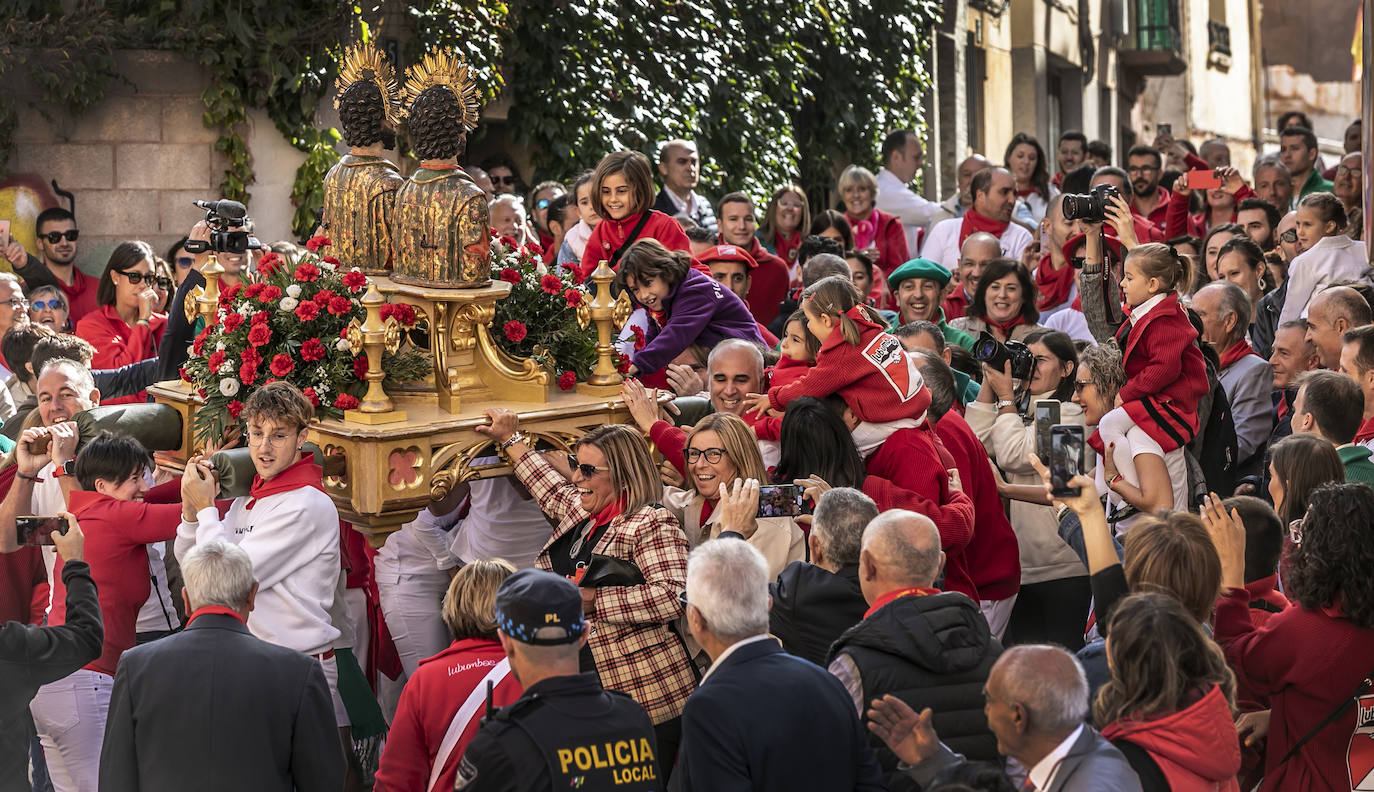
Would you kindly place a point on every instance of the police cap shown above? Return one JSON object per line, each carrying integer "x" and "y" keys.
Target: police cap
{"x": 534, "y": 606}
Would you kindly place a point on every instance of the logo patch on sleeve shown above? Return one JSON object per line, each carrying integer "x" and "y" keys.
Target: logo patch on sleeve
{"x": 886, "y": 353}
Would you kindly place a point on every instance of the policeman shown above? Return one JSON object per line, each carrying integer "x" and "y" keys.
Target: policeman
{"x": 565, "y": 731}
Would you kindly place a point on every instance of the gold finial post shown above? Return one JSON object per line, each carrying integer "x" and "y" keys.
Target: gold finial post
{"x": 373, "y": 337}
{"x": 208, "y": 302}
{"x": 608, "y": 314}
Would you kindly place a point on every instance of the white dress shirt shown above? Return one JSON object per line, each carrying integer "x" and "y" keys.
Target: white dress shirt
{"x": 913, "y": 210}
{"x": 1043, "y": 773}
{"x": 942, "y": 243}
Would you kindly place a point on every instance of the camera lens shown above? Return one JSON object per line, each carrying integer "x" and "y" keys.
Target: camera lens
{"x": 984, "y": 350}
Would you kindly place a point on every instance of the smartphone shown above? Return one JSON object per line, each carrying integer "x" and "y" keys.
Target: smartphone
{"x": 33, "y": 530}
{"x": 1066, "y": 459}
{"x": 1204, "y": 180}
{"x": 4, "y": 235}
{"x": 780, "y": 500}
{"x": 1164, "y": 129}
{"x": 1046, "y": 416}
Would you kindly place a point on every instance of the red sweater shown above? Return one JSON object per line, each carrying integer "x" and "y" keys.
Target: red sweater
{"x": 1195, "y": 748}
{"x": 767, "y": 283}
{"x": 610, "y": 234}
{"x": 80, "y": 295}
{"x": 992, "y": 556}
{"x": 116, "y": 534}
{"x": 1166, "y": 375}
{"x": 1178, "y": 221}
{"x": 876, "y": 378}
{"x": 785, "y": 371}
{"x": 116, "y": 344}
{"x": 1306, "y": 662}
{"x": 910, "y": 459}
{"x": 431, "y": 698}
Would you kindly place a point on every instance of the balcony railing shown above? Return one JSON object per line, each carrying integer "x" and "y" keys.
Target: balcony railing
{"x": 1155, "y": 45}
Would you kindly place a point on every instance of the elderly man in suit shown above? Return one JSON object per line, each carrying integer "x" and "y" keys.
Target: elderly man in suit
{"x": 214, "y": 707}
{"x": 762, "y": 719}
{"x": 1037, "y": 699}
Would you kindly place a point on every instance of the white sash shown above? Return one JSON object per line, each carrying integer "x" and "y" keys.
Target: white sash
{"x": 464, "y": 716}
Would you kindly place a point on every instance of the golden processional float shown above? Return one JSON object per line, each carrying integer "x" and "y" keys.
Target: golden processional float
{"x": 395, "y": 451}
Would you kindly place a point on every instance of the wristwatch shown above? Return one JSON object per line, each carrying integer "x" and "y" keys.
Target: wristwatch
{"x": 1003, "y": 403}
{"x": 517, "y": 437}
{"x": 65, "y": 468}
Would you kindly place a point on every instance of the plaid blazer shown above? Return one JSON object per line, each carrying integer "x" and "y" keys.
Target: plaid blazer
{"x": 635, "y": 650}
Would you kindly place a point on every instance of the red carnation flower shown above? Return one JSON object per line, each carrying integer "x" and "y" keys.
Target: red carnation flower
{"x": 573, "y": 297}
{"x": 551, "y": 284}
{"x": 516, "y": 331}
{"x": 622, "y": 364}
{"x": 312, "y": 350}
{"x": 510, "y": 276}
{"x": 259, "y": 335}
{"x": 253, "y": 290}
{"x": 567, "y": 380}
{"x": 235, "y": 407}
{"x": 201, "y": 391}
{"x": 185, "y": 376}
{"x": 345, "y": 402}
{"x": 307, "y": 311}
{"x": 232, "y": 321}
{"x": 310, "y": 394}
{"x": 330, "y": 260}
{"x": 340, "y": 306}
{"x": 261, "y": 318}
{"x": 317, "y": 242}
{"x": 198, "y": 345}
{"x": 405, "y": 314}
{"x": 228, "y": 293}
{"x": 251, "y": 356}
{"x": 215, "y": 361}
{"x": 386, "y": 312}
{"x": 270, "y": 294}
{"x": 360, "y": 367}
{"x": 306, "y": 272}
{"x": 248, "y": 373}
{"x": 268, "y": 264}
{"x": 355, "y": 280}
{"x": 282, "y": 364}
{"x": 322, "y": 298}
{"x": 639, "y": 336}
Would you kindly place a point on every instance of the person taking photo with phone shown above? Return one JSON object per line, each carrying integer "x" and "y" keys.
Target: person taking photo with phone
{"x": 1225, "y": 188}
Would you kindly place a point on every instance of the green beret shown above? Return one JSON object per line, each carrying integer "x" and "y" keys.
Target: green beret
{"x": 918, "y": 268}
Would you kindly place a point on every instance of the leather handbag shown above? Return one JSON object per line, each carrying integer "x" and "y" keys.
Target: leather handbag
{"x": 604, "y": 570}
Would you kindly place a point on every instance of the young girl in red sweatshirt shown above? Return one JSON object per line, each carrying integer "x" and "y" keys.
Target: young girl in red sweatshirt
{"x": 799, "y": 349}
{"x": 858, "y": 359}
{"x": 1166, "y": 375}
{"x": 623, "y": 196}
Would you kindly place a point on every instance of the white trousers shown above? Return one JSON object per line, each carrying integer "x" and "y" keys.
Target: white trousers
{"x": 70, "y": 715}
{"x": 330, "y": 667}
{"x": 412, "y": 606}
{"x": 998, "y": 614}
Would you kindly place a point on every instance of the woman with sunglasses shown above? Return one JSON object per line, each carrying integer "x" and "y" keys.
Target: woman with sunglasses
{"x": 48, "y": 307}
{"x": 182, "y": 262}
{"x": 609, "y": 512}
{"x": 129, "y": 324}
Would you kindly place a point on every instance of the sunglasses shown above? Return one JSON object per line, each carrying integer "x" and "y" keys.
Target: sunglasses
{"x": 137, "y": 277}
{"x": 587, "y": 471}
{"x": 504, "y": 180}
{"x": 54, "y": 237}
{"x": 42, "y": 305}
{"x": 17, "y": 304}
{"x": 1290, "y": 236}
{"x": 185, "y": 262}
{"x": 542, "y": 203}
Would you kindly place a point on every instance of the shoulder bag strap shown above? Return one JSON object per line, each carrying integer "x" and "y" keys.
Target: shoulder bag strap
{"x": 629, "y": 240}
{"x": 1340, "y": 709}
{"x": 460, "y": 721}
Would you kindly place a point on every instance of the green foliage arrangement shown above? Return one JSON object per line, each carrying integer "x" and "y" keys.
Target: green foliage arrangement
{"x": 539, "y": 318}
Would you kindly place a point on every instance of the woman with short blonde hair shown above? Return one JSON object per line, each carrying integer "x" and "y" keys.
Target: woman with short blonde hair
{"x": 858, "y": 189}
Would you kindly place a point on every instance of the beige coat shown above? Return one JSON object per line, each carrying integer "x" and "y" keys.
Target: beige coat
{"x": 778, "y": 538}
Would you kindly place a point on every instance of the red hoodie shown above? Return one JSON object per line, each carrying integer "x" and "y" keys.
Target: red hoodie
{"x": 609, "y": 235}
{"x": 1196, "y": 748}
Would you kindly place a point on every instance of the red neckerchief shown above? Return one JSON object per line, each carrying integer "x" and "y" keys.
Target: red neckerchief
{"x": 304, "y": 473}
{"x": 974, "y": 222}
{"x": 216, "y": 609}
{"x": 914, "y": 591}
{"x": 1235, "y": 353}
{"x": 956, "y": 304}
{"x": 1078, "y": 303}
{"x": 786, "y": 247}
{"x": 1366, "y": 431}
{"x": 707, "y": 507}
{"x": 1054, "y": 285}
{"x": 1026, "y": 193}
{"x": 1283, "y": 407}
{"x": 604, "y": 516}
{"x": 865, "y": 229}
{"x": 1008, "y": 326}
{"x": 1058, "y": 180}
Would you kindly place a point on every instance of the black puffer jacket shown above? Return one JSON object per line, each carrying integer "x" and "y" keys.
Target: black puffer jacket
{"x": 813, "y": 606}
{"x": 930, "y": 651}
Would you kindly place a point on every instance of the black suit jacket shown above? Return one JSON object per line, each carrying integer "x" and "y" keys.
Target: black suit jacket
{"x": 171, "y": 353}
{"x": 764, "y": 720}
{"x": 214, "y": 708}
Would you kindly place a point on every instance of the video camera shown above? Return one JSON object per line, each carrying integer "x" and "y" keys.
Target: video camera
{"x": 995, "y": 354}
{"x": 226, "y": 220}
{"x": 1092, "y": 206}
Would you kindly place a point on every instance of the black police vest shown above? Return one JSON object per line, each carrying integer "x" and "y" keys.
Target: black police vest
{"x": 600, "y": 751}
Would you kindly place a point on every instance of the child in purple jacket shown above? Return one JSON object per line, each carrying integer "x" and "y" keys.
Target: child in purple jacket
{"x": 687, "y": 305}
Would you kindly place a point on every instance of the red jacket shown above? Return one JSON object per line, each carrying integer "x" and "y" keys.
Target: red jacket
{"x": 1159, "y": 215}
{"x": 876, "y": 378}
{"x": 430, "y": 700}
{"x": 767, "y": 284}
{"x": 610, "y": 234}
{"x": 911, "y": 460}
{"x": 1178, "y": 221}
{"x": 1166, "y": 375}
{"x": 785, "y": 371}
{"x": 1195, "y": 748}
{"x": 1307, "y": 662}
{"x": 992, "y": 556}
{"x": 80, "y": 295}
{"x": 116, "y": 344}
{"x": 116, "y": 534}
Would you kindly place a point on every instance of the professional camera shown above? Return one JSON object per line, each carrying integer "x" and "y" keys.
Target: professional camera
{"x": 995, "y": 354}
{"x": 1091, "y": 207}
{"x": 226, "y": 220}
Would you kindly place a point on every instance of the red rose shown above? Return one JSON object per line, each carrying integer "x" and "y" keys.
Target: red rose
{"x": 551, "y": 284}
{"x": 639, "y": 336}
{"x": 355, "y": 280}
{"x": 261, "y": 318}
{"x": 322, "y": 298}
{"x": 310, "y": 394}
{"x": 185, "y": 377}
{"x": 270, "y": 294}
{"x": 251, "y": 356}
{"x": 312, "y": 350}
{"x": 282, "y": 364}
{"x": 510, "y": 276}
{"x": 345, "y": 402}
{"x": 567, "y": 380}
{"x": 317, "y": 242}
{"x": 215, "y": 361}
{"x": 515, "y": 331}
{"x": 232, "y": 321}
{"x": 307, "y": 311}
{"x": 573, "y": 297}
{"x": 306, "y": 272}
{"x": 259, "y": 335}
{"x": 248, "y": 373}
{"x": 235, "y": 407}
{"x": 340, "y": 306}
{"x": 268, "y": 264}
{"x": 360, "y": 367}
{"x": 228, "y": 293}
{"x": 253, "y": 290}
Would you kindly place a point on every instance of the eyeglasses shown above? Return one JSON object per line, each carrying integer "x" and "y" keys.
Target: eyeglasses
{"x": 587, "y": 471}
{"x": 542, "y": 203}
{"x": 1079, "y": 385}
{"x": 712, "y": 455}
{"x": 54, "y": 237}
{"x": 17, "y": 304}
{"x": 1295, "y": 531}
{"x": 503, "y": 180}
{"x": 138, "y": 277}
{"x": 42, "y": 305}
{"x": 185, "y": 262}
{"x": 1290, "y": 236}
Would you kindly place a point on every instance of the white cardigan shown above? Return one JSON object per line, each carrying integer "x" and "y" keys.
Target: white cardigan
{"x": 1332, "y": 259}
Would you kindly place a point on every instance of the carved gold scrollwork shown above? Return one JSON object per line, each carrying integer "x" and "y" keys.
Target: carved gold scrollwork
{"x": 518, "y": 369}
{"x": 453, "y": 464}
{"x": 392, "y": 340}
{"x": 465, "y": 320}
{"x": 622, "y": 311}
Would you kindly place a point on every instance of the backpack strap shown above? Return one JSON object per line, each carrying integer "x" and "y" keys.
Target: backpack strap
{"x": 1362, "y": 688}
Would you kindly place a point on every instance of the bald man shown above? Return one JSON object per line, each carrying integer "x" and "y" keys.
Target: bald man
{"x": 917, "y": 642}
{"x": 974, "y": 255}
{"x": 1333, "y": 312}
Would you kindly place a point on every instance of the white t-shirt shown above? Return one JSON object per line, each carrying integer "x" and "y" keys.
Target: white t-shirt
{"x": 1067, "y": 320}
{"x": 1139, "y": 442}
{"x": 501, "y": 524}
{"x": 942, "y": 242}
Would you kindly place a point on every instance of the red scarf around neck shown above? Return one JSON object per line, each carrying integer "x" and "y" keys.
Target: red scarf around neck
{"x": 896, "y": 594}
{"x": 1054, "y": 285}
{"x": 1235, "y": 353}
{"x": 1366, "y": 431}
{"x": 865, "y": 229}
{"x": 1007, "y": 326}
{"x": 304, "y": 473}
{"x": 1026, "y": 193}
{"x": 974, "y": 222}
{"x": 786, "y": 247}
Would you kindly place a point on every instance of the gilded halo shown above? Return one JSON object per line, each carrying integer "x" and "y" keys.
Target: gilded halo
{"x": 448, "y": 68}
{"x": 363, "y": 61}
